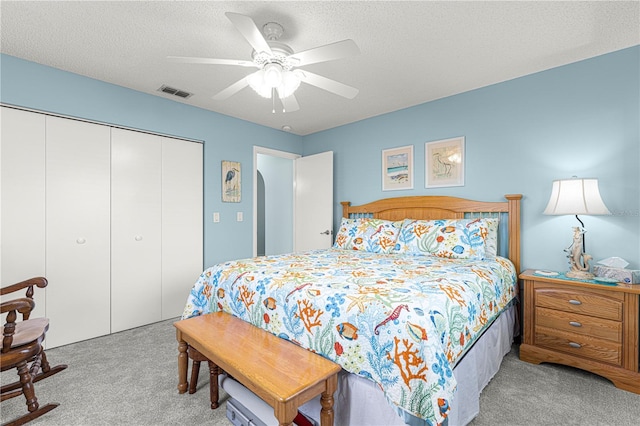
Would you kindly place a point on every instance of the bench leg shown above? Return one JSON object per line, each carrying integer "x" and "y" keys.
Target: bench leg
{"x": 326, "y": 401}
{"x": 214, "y": 371}
{"x": 183, "y": 360}
{"x": 285, "y": 413}
{"x": 195, "y": 371}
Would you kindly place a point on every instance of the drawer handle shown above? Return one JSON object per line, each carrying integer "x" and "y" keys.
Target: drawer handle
{"x": 575, "y": 302}
{"x": 575, "y": 345}
{"x": 575, "y": 323}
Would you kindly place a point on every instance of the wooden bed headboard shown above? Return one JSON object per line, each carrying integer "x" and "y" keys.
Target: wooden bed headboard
{"x": 443, "y": 207}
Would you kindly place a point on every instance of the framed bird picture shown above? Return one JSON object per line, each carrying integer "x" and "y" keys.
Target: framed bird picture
{"x": 444, "y": 162}
{"x": 231, "y": 189}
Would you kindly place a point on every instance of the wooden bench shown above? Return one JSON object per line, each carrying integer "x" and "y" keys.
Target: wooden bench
{"x": 281, "y": 373}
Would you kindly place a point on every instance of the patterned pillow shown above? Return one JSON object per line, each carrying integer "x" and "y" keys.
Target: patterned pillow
{"x": 491, "y": 242}
{"x": 367, "y": 234}
{"x": 448, "y": 238}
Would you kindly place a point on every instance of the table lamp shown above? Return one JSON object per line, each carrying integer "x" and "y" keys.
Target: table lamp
{"x": 577, "y": 196}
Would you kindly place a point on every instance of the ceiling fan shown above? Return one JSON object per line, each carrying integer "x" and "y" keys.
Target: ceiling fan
{"x": 278, "y": 66}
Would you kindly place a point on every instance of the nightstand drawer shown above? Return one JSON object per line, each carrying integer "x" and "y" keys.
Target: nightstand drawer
{"x": 592, "y": 303}
{"x": 580, "y": 345}
{"x": 579, "y": 324}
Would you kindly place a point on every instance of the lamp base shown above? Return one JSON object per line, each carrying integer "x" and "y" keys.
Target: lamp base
{"x": 581, "y": 275}
{"x": 578, "y": 259}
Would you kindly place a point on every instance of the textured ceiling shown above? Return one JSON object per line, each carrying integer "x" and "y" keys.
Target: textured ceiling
{"x": 411, "y": 52}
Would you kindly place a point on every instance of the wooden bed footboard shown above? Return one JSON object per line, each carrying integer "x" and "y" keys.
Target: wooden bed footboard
{"x": 428, "y": 207}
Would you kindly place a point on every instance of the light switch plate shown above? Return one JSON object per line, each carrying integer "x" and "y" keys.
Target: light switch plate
{"x": 216, "y": 217}
{"x": 239, "y": 217}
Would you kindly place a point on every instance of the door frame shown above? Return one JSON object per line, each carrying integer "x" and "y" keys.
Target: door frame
{"x": 274, "y": 153}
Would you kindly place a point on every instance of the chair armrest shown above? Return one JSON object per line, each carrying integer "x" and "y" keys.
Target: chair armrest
{"x": 23, "y": 305}
{"x": 28, "y": 284}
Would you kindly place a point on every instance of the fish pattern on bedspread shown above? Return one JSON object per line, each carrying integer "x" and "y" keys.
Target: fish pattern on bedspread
{"x": 401, "y": 321}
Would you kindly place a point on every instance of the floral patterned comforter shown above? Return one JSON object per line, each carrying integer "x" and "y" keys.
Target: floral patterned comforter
{"x": 402, "y": 321}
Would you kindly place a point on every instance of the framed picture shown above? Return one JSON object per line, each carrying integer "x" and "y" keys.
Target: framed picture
{"x": 444, "y": 163}
{"x": 231, "y": 188}
{"x": 397, "y": 168}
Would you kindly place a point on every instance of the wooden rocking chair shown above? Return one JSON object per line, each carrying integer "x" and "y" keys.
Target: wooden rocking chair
{"x": 22, "y": 349}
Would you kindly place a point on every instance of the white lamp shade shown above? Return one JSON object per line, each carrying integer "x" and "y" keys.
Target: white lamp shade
{"x": 256, "y": 81}
{"x": 290, "y": 83}
{"x": 272, "y": 75}
{"x": 574, "y": 197}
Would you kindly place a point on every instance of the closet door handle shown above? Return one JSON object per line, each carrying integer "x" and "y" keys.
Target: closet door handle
{"x": 138, "y": 237}
{"x": 81, "y": 240}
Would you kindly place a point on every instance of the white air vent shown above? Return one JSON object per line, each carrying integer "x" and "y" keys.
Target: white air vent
{"x": 175, "y": 92}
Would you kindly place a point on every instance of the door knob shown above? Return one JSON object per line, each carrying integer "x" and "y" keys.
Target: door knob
{"x": 327, "y": 232}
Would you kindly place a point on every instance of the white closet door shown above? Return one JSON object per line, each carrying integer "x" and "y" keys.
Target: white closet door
{"x": 182, "y": 232}
{"x": 77, "y": 230}
{"x": 135, "y": 229}
{"x": 22, "y": 210}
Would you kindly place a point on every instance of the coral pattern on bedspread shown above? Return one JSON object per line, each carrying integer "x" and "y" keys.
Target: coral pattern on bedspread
{"x": 401, "y": 321}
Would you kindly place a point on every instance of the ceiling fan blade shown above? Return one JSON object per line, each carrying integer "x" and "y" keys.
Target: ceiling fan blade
{"x": 290, "y": 103}
{"x": 211, "y": 61}
{"x": 328, "y": 84}
{"x": 250, "y": 31}
{"x": 232, "y": 90}
{"x": 328, "y": 52}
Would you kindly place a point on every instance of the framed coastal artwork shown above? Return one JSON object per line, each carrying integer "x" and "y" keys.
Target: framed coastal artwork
{"x": 397, "y": 168}
{"x": 444, "y": 163}
{"x": 231, "y": 183}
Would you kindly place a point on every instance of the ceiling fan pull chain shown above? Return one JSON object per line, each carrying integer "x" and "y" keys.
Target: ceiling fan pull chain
{"x": 273, "y": 100}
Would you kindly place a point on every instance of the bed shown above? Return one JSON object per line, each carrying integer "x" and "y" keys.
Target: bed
{"x": 416, "y": 301}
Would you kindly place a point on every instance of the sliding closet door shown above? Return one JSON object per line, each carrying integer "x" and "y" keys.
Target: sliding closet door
{"x": 181, "y": 222}
{"x": 77, "y": 230}
{"x": 22, "y": 200}
{"x": 136, "y": 229}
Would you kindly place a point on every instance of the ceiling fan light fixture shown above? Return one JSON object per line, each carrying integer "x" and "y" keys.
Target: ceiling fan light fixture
{"x": 256, "y": 81}
{"x": 272, "y": 75}
{"x": 290, "y": 83}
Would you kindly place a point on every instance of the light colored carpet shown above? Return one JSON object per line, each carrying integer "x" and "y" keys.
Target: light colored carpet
{"x": 130, "y": 378}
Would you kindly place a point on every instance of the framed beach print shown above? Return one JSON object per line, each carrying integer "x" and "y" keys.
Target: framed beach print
{"x": 397, "y": 168}
{"x": 231, "y": 188}
{"x": 444, "y": 163}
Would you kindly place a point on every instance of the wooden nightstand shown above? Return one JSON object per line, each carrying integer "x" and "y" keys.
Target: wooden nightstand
{"x": 584, "y": 325}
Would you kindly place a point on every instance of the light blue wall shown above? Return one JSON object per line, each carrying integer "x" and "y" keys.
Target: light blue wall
{"x": 278, "y": 187}
{"x": 30, "y": 85}
{"x": 581, "y": 119}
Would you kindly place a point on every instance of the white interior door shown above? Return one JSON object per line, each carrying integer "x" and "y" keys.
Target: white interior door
{"x": 77, "y": 230}
{"x": 136, "y": 161}
{"x": 313, "y": 221}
